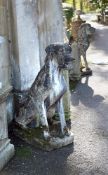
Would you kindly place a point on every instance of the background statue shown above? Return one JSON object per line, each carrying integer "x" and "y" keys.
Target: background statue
{"x": 79, "y": 48}
{"x": 84, "y": 34}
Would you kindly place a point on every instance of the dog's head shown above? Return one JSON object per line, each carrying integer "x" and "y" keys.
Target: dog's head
{"x": 89, "y": 29}
{"x": 86, "y": 29}
{"x": 63, "y": 54}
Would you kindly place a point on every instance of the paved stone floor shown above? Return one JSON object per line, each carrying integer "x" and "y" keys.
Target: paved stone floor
{"x": 89, "y": 112}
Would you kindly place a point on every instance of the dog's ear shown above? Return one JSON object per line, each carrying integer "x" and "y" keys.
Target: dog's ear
{"x": 67, "y": 47}
{"x": 82, "y": 25}
{"x": 50, "y": 49}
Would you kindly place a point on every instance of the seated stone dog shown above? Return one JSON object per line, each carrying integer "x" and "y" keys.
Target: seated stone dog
{"x": 47, "y": 91}
{"x": 84, "y": 33}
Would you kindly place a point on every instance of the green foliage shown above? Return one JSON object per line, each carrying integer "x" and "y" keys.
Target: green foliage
{"x": 67, "y": 1}
{"x": 68, "y": 13}
{"x": 88, "y": 5}
{"x": 101, "y": 4}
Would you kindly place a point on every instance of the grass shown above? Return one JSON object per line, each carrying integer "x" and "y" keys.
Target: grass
{"x": 23, "y": 152}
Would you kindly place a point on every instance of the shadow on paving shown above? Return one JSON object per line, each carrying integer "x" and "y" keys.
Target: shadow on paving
{"x": 100, "y": 41}
{"x": 82, "y": 92}
{"x": 102, "y": 73}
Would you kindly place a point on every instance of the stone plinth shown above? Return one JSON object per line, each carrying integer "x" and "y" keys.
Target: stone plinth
{"x": 35, "y": 137}
{"x": 6, "y": 149}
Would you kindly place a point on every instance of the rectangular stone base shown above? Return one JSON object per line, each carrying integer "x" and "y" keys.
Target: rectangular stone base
{"x": 6, "y": 152}
{"x": 54, "y": 142}
{"x": 35, "y": 137}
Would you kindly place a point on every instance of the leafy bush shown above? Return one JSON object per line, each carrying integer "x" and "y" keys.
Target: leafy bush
{"x": 68, "y": 12}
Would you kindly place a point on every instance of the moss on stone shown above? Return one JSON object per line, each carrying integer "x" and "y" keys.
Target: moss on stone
{"x": 73, "y": 84}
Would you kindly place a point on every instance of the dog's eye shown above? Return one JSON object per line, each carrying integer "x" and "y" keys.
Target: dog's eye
{"x": 60, "y": 50}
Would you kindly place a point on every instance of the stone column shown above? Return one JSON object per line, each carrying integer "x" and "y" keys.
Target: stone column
{"x": 26, "y": 63}
{"x": 6, "y": 149}
{"x": 51, "y": 30}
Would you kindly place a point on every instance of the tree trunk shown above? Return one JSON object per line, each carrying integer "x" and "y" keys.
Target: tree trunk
{"x": 74, "y": 4}
{"x": 81, "y": 5}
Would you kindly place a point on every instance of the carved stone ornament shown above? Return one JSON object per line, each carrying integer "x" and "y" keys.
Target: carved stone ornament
{"x": 84, "y": 34}
{"x": 43, "y": 101}
{"x": 79, "y": 48}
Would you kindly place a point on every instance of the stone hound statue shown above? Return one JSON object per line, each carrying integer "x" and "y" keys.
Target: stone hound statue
{"x": 46, "y": 92}
{"x": 79, "y": 48}
{"x": 84, "y": 33}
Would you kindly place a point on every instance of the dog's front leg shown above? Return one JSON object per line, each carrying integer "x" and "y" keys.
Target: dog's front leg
{"x": 44, "y": 122}
{"x": 60, "y": 111}
{"x": 85, "y": 61}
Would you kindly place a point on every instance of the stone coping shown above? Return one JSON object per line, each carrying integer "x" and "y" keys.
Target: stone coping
{"x": 4, "y": 143}
{"x": 6, "y": 152}
{"x": 4, "y": 92}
